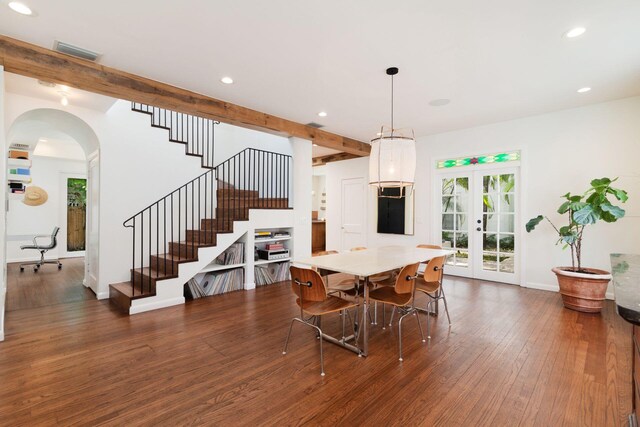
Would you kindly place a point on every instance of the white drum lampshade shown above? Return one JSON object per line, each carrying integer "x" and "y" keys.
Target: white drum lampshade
{"x": 392, "y": 162}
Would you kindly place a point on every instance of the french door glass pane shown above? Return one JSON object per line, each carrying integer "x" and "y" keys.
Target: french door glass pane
{"x": 455, "y": 217}
{"x": 506, "y": 263}
{"x": 447, "y": 204}
{"x": 489, "y": 261}
{"x": 498, "y": 222}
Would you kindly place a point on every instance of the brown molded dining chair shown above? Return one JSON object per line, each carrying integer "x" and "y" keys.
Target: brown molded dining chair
{"x": 346, "y": 286}
{"x": 314, "y": 302}
{"x": 430, "y": 283}
{"x": 402, "y": 297}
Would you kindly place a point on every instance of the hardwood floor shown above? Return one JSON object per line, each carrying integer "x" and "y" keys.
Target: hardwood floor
{"x": 48, "y": 286}
{"x": 512, "y": 357}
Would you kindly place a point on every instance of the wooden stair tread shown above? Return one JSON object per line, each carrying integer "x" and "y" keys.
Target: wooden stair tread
{"x": 126, "y": 288}
{"x": 175, "y": 258}
{"x": 195, "y": 244}
{"x": 153, "y": 274}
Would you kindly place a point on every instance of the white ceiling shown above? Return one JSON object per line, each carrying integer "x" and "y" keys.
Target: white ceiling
{"x": 495, "y": 59}
{"x": 79, "y": 98}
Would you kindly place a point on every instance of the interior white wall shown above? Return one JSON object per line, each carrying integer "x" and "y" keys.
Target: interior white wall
{"x": 23, "y": 221}
{"x": 3, "y": 220}
{"x": 138, "y": 165}
{"x": 302, "y": 184}
{"x": 561, "y": 151}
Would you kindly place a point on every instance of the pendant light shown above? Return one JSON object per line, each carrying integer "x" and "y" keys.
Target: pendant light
{"x": 392, "y": 162}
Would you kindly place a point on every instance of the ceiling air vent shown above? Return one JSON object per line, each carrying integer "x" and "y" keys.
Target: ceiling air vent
{"x": 19, "y": 146}
{"x": 315, "y": 125}
{"x": 76, "y": 51}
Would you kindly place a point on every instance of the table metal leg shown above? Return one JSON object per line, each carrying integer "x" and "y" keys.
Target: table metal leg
{"x": 365, "y": 323}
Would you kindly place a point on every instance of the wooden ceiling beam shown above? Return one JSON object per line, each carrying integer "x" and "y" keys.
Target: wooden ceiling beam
{"x": 44, "y": 64}
{"x": 323, "y": 160}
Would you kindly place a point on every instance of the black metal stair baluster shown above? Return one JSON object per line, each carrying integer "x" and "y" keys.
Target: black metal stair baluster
{"x": 141, "y": 251}
{"x": 206, "y": 205}
{"x": 164, "y": 240}
{"x": 199, "y": 212}
{"x": 157, "y": 237}
{"x": 172, "y": 257}
{"x": 179, "y": 222}
{"x": 193, "y": 240}
{"x": 133, "y": 260}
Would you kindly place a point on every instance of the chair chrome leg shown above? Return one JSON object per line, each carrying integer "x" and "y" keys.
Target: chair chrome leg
{"x": 375, "y": 313}
{"x": 343, "y": 314}
{"x": 392, "y": 313}
{"x": 415, "y": 313}
{"x": 321, "y": 355}
{"x": 286, "y": 342}
{"x": 429, "y": 320}
{"x": 446, "y": 308}
{"x": 400, "y": 334}
{"x": 384, "y": 322}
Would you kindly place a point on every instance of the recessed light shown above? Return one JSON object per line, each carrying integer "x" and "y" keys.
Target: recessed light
{"x": 21, "y": 8}
{"x": 584, "y": 89}
{"x": 315, "y": 145}
{"x": 322, "y": 114}
{"x": 441, "y": 102}
{"x": 575, "y": 32}
{"x": 64, "y": 100}
{"x": 226, "y": 80}
{"x": 64, "y": 88}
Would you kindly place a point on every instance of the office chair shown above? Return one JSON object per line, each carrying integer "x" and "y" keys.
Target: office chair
{"x": 43, "y": 249}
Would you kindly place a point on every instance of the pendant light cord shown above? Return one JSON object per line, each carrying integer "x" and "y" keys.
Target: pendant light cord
{"x": 392, "y": 106}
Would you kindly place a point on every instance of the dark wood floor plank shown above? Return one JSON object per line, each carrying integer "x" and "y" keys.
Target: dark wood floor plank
{"x": 512, "y": 356}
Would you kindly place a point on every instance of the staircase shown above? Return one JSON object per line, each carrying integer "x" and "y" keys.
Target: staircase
{"x": 176, "y": 230}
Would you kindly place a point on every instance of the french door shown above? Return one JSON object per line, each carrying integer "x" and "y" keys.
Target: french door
{"x": 478, "y": 217}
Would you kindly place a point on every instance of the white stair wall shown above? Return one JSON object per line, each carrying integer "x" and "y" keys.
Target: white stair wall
{"x": 171, "y": 291}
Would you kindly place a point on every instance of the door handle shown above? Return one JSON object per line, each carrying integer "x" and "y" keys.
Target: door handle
{"x": 478, "y": 229}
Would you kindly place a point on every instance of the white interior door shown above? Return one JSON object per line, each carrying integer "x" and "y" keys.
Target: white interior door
{"x": 477, "y": 217}
{"x": 353, "y": 213}
{"x": 92, "y": 234}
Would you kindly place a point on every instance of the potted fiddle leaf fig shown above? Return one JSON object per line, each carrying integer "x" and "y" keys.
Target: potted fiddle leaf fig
{"x": 582, "y": 288}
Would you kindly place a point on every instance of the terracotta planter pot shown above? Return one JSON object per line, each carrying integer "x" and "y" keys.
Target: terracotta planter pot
{"x": 581, "y": 291}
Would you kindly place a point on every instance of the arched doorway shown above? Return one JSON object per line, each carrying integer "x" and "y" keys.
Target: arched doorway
{"x": 40, "y": 125}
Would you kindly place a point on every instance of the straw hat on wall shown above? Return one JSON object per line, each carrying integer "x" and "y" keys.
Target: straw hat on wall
{"x": 35, "y": 196}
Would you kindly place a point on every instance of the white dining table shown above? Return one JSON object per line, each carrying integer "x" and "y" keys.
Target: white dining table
{"x": 366, "y": 263}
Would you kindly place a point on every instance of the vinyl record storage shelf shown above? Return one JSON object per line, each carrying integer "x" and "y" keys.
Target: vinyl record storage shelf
{"x": 250, "y": 241}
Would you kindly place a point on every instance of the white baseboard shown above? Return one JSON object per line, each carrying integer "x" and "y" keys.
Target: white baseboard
{"x": 556, "y": 288}
{"x": 102, "y": 295}
{"x": 1, "y": 335}
{"x": 248, "y": 286}
{"x": 141, "y": 308}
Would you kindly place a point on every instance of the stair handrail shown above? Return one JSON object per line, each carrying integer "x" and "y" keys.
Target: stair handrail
{"x": 256, "y": 179}
{"x": 197, "y": 133}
